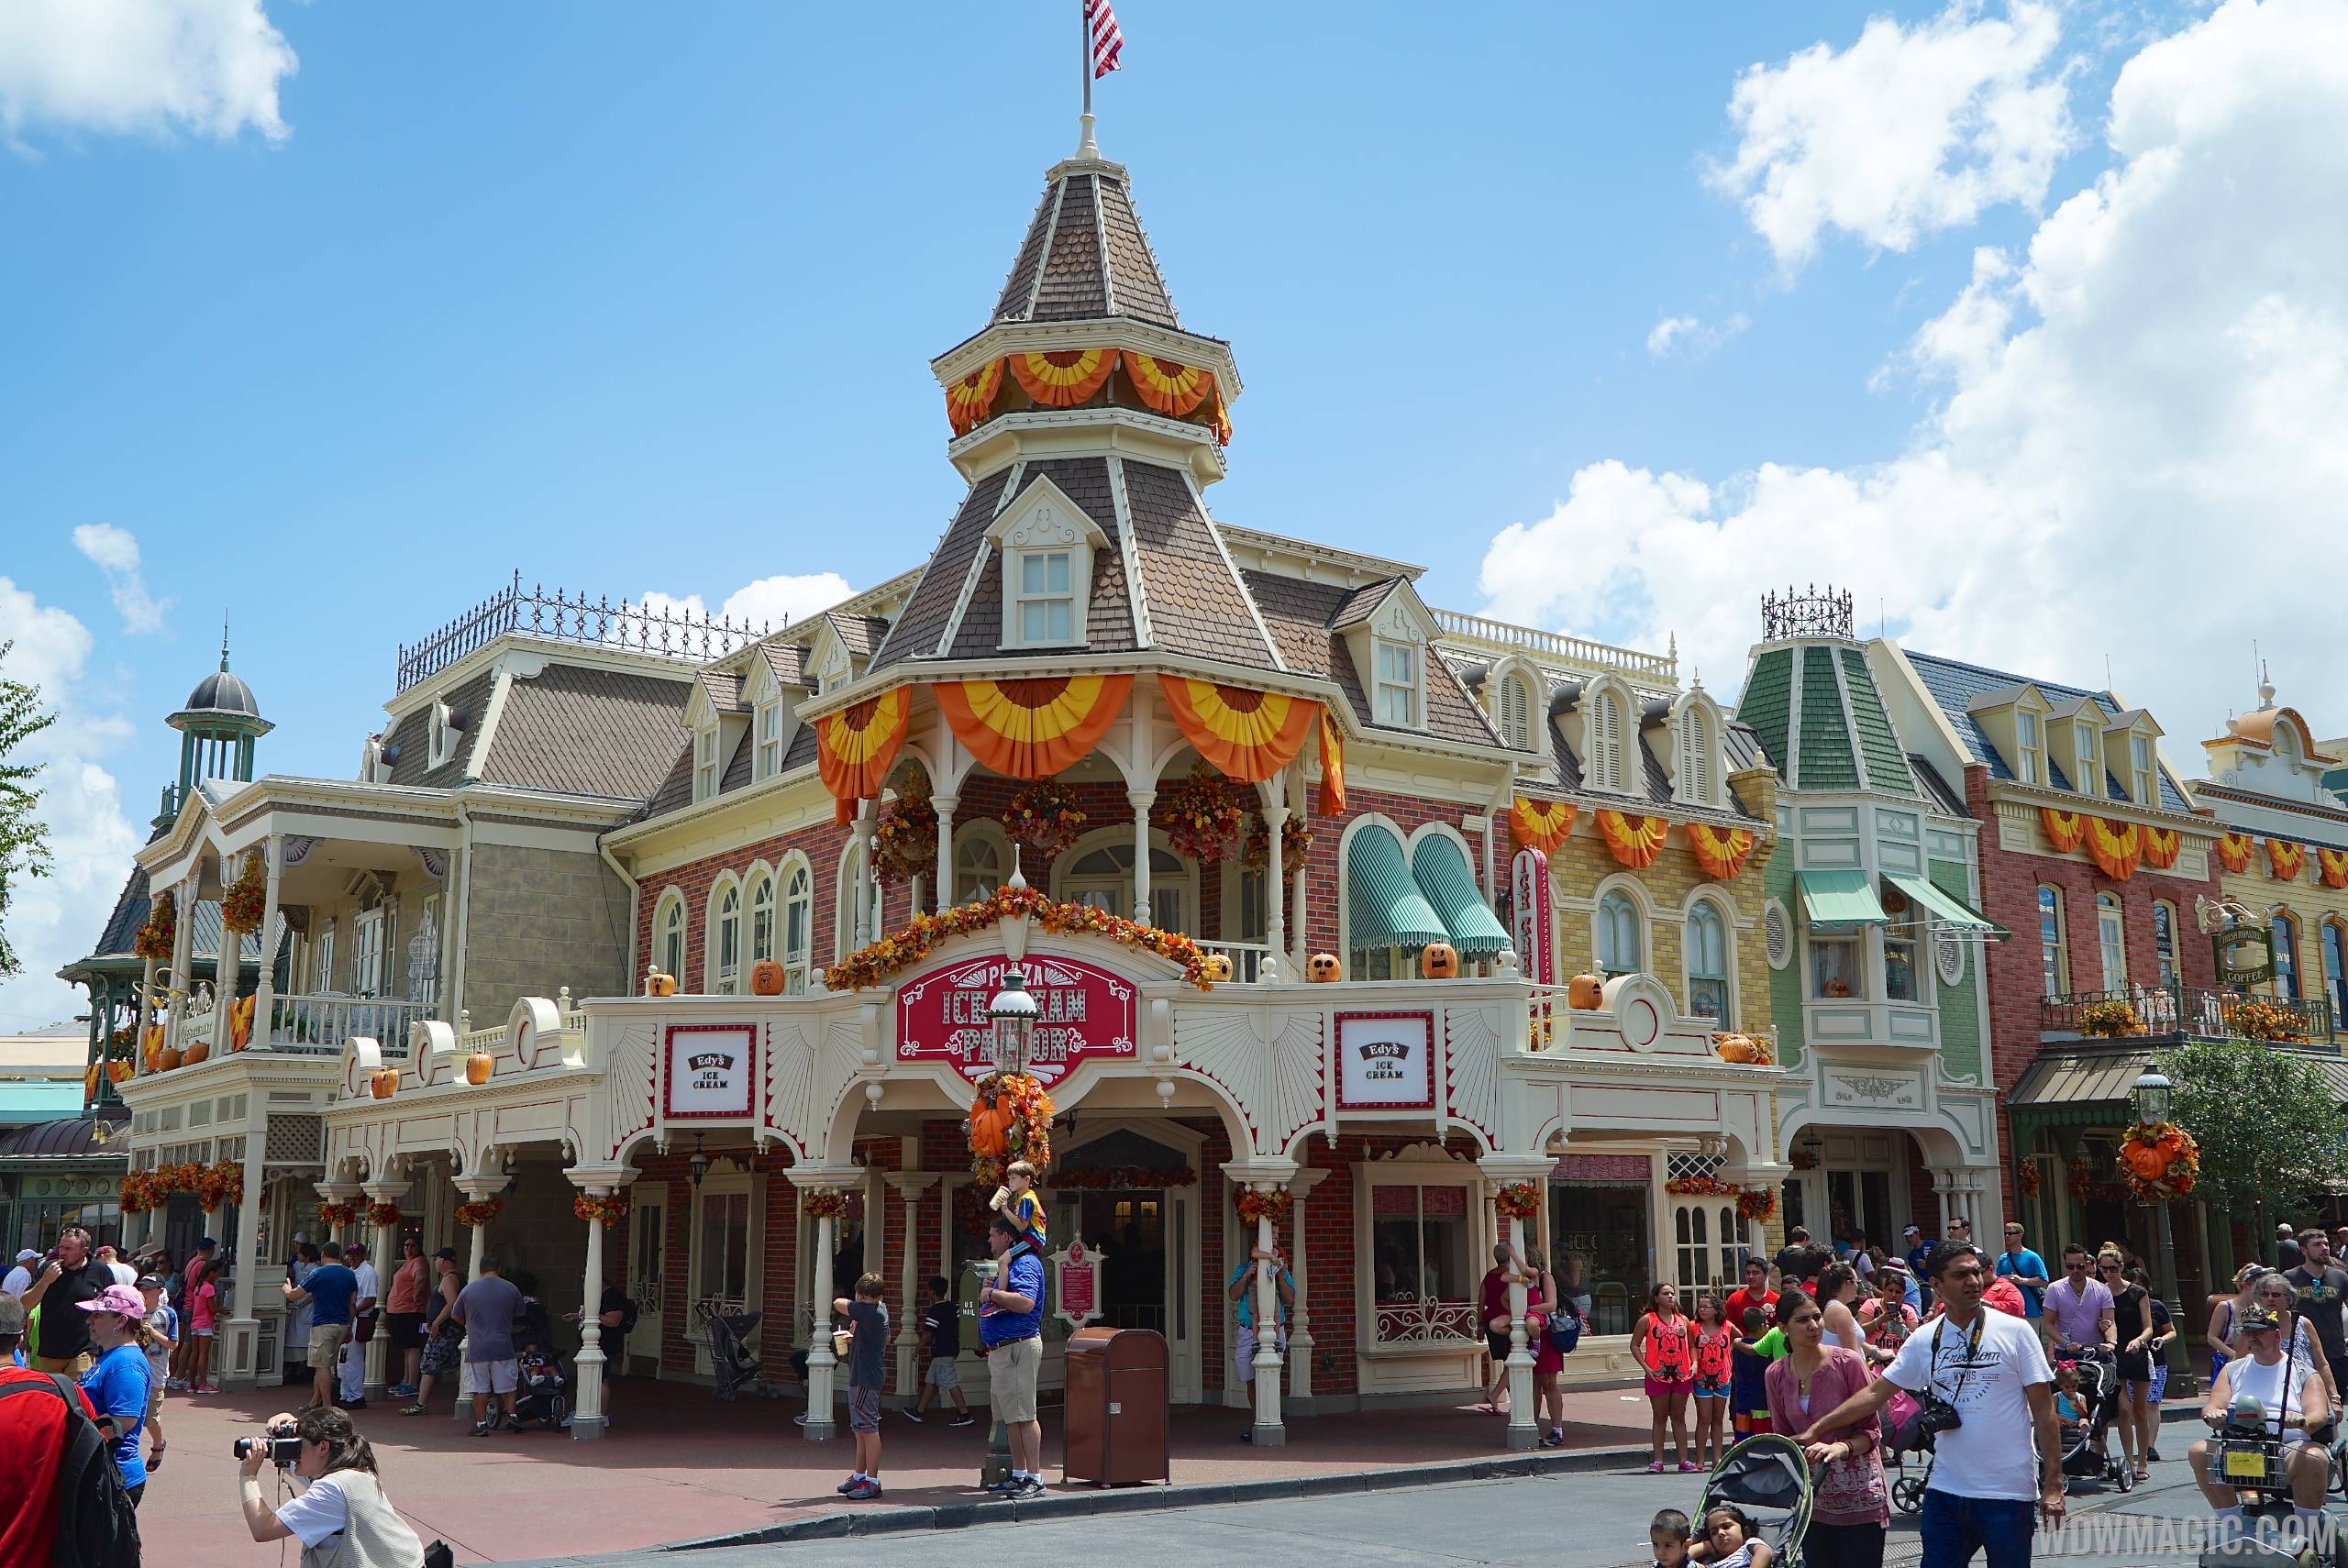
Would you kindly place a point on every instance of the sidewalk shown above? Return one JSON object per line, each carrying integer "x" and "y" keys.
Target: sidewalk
{"x": 679, "y": 1465}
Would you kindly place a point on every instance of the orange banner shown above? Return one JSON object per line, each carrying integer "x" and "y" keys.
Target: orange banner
{"x": 1222, "y": 421}
{"x": 1165, "y": 386}
{"x": 2115, "y": 847}
{"x": 2331, "y": 866}
{"x": 856, "y": 747}
{"x": 1542, "y": 824}
{"x": 1062, "y": 378}
{"x": 2064, "y": 830}
{"x": 1635, "y": 841}
{"x": 1031, "y": 728}
{"x": 2161, "y": 845}
{"x": 2234, "y": 850}
{"x": 1720, "y": 851}
{"x": 1248, "y": 735}
{"x": 2285, "y": 860}
{"x": 1332, "y": 767}
{"x": 972, "y": 399}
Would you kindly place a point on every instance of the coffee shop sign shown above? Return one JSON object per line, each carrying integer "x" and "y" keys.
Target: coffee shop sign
{"x": 1083, "y": 1011}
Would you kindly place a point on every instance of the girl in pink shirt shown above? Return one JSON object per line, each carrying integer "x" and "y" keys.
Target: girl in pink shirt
{"x": 203, "y": 1306}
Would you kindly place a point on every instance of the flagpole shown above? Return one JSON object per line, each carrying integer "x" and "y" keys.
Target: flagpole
{"x": 1085, "y": 146}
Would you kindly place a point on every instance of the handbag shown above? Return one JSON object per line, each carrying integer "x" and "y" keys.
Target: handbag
{"x": 1565, "y": 1329}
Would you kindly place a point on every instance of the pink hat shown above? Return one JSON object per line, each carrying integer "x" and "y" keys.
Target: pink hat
{"x": 117, "y": 1298}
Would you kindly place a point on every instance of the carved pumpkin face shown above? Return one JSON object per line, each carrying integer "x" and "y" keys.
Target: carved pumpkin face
{"x": 989, "y": 1130}
{"x": 657, "y": 984}
{"x": 1322, "y": 968}
{"x": 2147, "y": 1160}
{"x": 1438, "y": 961}
{"x": 1218, "y": 965}
{"x": 766, "y": 978}
{"x": 1586, "y": 993}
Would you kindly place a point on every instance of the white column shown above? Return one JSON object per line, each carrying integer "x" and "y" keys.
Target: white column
{"x": 271, "y": 936}
{"x": 244, "y": 1325}
{"x": 1499, "y": 1170}
{"x": 146, "y": 1013}
{"x": 226, "y": 966}
{"x": 944, "y": 804}
{"x": 475, "y": 1188}
{"x": 1269, "y": 1431}
{"x": 182, "y": 942}
{"x": 820, "y": 1358}
{"x": 1276, "y": 811}
{"x": 587, "y": 1422}
{"x": 383, "y": 1251}
{"x": 1141, "y": 801}
{"x": 909, "y": 1185}
{"x": 1300, "y": 1331}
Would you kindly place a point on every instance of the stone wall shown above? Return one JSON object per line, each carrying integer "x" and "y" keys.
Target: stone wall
{"x": 538, "y": 919}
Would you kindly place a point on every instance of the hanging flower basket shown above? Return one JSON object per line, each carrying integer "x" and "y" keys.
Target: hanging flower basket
{"x": 1042, "y": 816}
{"x": 1253, "y": 1206}
{"x": 1011, "y": 1120}
{"x": 247, "y": 900}
{"x": 2108, "y": 1018}
{"x": 1517, "y": 1200}
{"x": 2158, "y": 1161}
{"x": 2027, "y": 1180}
{"x": 334, "y": 1214}
{"x": 156, "y": 936}
{"x": 1757, "y": 1204}
{"x": 1296, "y": 844}
{"x": 904, "y": 841}
{"x": 1700, "y": 1187}
{"x": 480, "y": 1212}
{"x": 2264, "y": 1021}
{"x": 137, "y": 1192}
{"x": 605, "y": 1211}
{"x": 875, "y": 964}
{"x": 823, "y": 1205}
{"x": 1204, "y": 817}
{"x": 216, "y": 1183}
{"x": 383, "y": 1216}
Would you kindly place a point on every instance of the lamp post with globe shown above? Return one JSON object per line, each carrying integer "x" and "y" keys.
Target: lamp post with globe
{"x": 2150, "y": 1094}
{"x": 1011, "y": 1022}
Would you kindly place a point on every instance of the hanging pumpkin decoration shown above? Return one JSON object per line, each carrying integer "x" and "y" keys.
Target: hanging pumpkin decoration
{"x": 1438, "y": 961}
{"x": 766, "y": 978}
{"x": 1586, "y": 993}
{"x": 1322, "y": 968}
{"x": 989, "y": 1130}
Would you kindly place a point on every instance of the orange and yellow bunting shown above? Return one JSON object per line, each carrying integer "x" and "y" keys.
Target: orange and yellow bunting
{"x": 1721, "y": 852}
{"x": 1542, "y": 824}
{"x": 1165, "y": 386}
{"x": 1635, "y": 841}
{"x": 1332, "y": 767}
{"x": 1248, "y": 735}
{"x": 1031, "y": 728}
{"x": 2064, "y": 830}
{"x": 972, "y": 399}
{"x": 1222, "y": 421}
{"x": 2332, "y": 866}
{"x": 855, "y": 747}
{"x": 2161, "y": 845}
{"x": 2234, "y": 850}
{"x": 2115, "y": 847}
{"x": 2285, "y": 860}
{"x": 1062, "y": 378}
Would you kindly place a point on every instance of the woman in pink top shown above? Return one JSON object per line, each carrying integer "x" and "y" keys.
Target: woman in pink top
{"x": 202, "y": 1310}
{"x": 1852, "y": 1506}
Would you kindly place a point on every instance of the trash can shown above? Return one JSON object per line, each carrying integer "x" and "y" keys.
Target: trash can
{"x": 1113, "y": 1427}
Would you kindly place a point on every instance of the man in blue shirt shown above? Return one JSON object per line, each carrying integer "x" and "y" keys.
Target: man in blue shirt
{"x": 329, "y": 1291}
{"x": 2026, "y": 1269}
{"x": 1011, "y": 1327}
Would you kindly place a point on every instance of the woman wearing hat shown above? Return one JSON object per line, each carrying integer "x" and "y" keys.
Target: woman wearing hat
{"x": 117, "y": 1383}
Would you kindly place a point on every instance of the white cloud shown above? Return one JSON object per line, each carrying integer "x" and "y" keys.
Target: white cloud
{"x": 2137, "y": 449}
{"x": 1688, "y": 335}
{"x": 114, "y": 551}
{"x": 770, "y": 601}
{"x": 1908, "y": 131}
{"x": 211, "y": 66}
{"x": 56, "y": 919}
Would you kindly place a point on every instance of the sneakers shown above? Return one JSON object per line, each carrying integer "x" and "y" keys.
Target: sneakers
{"x": 1553, "y": 1438}
{"x": 1006, "y": 1486}
{"x": 206, "y": 1389}
{"x": 865, "y": 1491}
{"x": 1026, "y": 1492}
{"x": 964, "y": 1419}
{"x": 411, "y": 1409}
{"x": 483, "y": 1427}
{"x": 1689, "y": 1467}
{"x": 1655, "y": 1468}
{"x": 910, "y": 1414}
{"x": 401, "y": 1391}
{"x": 850, "y": 1485}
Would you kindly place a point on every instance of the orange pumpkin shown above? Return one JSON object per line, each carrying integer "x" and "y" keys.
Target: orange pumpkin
{"x": 1218, "y": 965}
{"x": 657, "y": 984}
{"x": 1322, "y": 968}
{"x": 1737, "y": 1048}
{"x": 766, "y": 978}
{"x": 1438, "y": 961}
{"x": 989, "y": 1130}
{"x": 196, "y": 1051}
{"x": 2147, "y": 1160}
{"x": 167, "y": 1058}
{"x": 1586, "y": 993}
{"x": 478, "y": 1066}
{"x": 385, "y": 1082}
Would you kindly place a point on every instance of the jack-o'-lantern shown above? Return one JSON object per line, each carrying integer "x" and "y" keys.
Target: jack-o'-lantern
{"x": 1586, "y": 993}
{"x": 1218, "y": 965}
{"x": 1438, "y": 961}
{"x": 766, "y": 978}
{"x": 989, "y": 1130}
{"x": 2147, "y": 1160}
{"x": 196, "y": 1051}
{"x": 1322, "y": 968}
{"x": 478, "y": 1066}
{"x": 1737, "y": 1048}
{"x": 167, "y": 1058}
{"x": 657, "y": 984}
{"x": 385, "y": 1082}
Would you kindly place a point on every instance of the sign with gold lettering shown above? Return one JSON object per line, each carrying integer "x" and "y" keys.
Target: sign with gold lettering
{"x": 1083, "y": 1011}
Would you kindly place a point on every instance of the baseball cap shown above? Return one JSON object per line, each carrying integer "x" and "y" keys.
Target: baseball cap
{"x": 115, "y": 1298}
{"x": 150, "y": 1282}
{"x": 204, "y": 1241}
{"x": 12, "y": 1316}
{"x": 2256, "y": 1317}
{"x": 28, "y": 1254}
{"x": 1911, "y": 1231}
{"x": 300, "y": 1237}
{"x": 449, "y": 1252}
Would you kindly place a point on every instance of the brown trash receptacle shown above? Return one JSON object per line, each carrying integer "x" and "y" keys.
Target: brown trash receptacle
{"x": 1113, "y": 1429}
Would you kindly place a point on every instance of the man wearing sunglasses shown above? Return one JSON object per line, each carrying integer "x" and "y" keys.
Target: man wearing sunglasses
{"x": 2078, "y": 1307}
{"x": 2281, "y": 1387}
{"x": 2027, "y": 1270}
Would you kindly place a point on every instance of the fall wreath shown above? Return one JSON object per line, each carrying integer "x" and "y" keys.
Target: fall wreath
{"x": 480, "y": 1212}
{"x": 1517, "y": 1200}
{"x": 1011, "y": 1119}
{"x": 873, "y": 965}
{"x": 603, "y": 1210}
{"x": 1253, "y": 1206}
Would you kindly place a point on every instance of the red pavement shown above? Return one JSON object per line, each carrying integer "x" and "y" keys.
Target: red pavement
{"x": 680, "y": 1466}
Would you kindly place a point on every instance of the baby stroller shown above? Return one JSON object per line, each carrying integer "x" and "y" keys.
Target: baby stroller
{"x": 2087, "y": 1457}
{"x": 1903, "y": 1436}
{"x": 540, "y": 1390}
{"x": 1768, "y": 1475}
{"x": 729, "y": 1351}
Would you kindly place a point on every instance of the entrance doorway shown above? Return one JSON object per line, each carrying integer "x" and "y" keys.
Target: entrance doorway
{"x": 1131, "y": 1226}
{"x": 648, "y": 1252}
{"x": 1148, "y": 1234}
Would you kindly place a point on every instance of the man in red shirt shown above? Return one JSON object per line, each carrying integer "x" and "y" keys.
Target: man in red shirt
{"x": 1755, "y": 1292}
{"x": 32, "y": 1434}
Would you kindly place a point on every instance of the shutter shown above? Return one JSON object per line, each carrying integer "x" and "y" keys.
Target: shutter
{"x": 1513, "y": 727}
{"x": 1609, "y": 747}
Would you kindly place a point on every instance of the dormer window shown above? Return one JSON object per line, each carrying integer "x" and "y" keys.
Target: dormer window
{"x": 1695, "y": 751}
{"x": 706, "y": 762}
{"x": 446, "y": 734}
{"x": 2144, "y": 777}
{"x": 2087, "y": 774}
{"x": 1044, "y": 606}
{"x": 372, "y": 769}
{"x": 1513, "y": 706}
{"x": 2027, "y": 766}
{"x": 1047, "y": 544}
{"x": 1397, "y": 699}
{"x": 769, "y": 725}
{"x": 1604, "y": 767}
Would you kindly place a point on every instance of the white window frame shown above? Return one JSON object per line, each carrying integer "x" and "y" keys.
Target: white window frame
{"x": 1421, "y": 1167}
{"x": 1605, "y": 729}
{"x": 669, "y": 935}
{"x": 2029, "y": 736}
{"x": 768, "y": 721}
{"x": 797, "y": 930}
{"x": 445, "y": 735}
{"x": 1035, "y": 595}
{"x": 761, "y": 904}
{"x": 2111, "y": 940}
{"x": 321, "y": 977}
{"x": 2054, "y": 977}
{"x": 1699, "y": 909}
{"x": 1043, "y": 523}
{"x": 2086, "y": 758}
{"x": 723, "y": 960}
{"x": 1387, "y": 694}
{"x": 973, "y": 835}
{"x": 2143, "y": 769}
{"x": 1512, "y": 711}
{"x": 427, "y": 988}
{"x": 1609, "y": 898}
{"x": 706, "y": 762}
{"x": 371, "y": 948}
{"x": 2167, "y": 970}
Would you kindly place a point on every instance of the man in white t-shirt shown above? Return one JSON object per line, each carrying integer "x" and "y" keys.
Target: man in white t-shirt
{"x": 2283, "y": 1385}
{"x": 1992, "y": 1369}
{"x": 352, "y": 1368}
{"x": 21, "y": 1278}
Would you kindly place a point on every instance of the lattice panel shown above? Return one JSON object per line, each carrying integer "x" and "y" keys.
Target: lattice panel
{"x": 296, "y": 1141}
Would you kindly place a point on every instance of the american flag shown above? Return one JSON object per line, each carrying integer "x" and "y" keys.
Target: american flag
{"x": 1107, "y": 41}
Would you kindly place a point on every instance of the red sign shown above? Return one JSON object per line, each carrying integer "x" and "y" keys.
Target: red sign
{"x": 1077, "y": 1290}
{"x": 1529, "y": 926}
{"x": 1083, "y": 1010}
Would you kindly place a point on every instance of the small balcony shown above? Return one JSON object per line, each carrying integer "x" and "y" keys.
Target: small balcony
{"x": 2173, "y": 1014}
{"x": 322, "y": 1025}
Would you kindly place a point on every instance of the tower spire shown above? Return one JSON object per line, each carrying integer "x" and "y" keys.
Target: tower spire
{"x": 223, "y": 639}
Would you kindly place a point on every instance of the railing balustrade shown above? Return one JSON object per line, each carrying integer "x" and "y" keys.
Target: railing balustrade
{"x": 322, "y": 1025}
{"x": 2188, "y": 1012}
{"x": 1556, "y": 644}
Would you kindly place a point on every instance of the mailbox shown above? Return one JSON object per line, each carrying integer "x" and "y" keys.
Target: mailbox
{"x": 1115, "y": 1425}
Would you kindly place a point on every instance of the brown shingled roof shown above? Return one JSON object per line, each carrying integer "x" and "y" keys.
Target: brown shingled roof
{"x": 575, "y": 730}
{"x": 413, "y": 735}
{"x": 931, "y": 604}
{"x": 725, "y": 690}
{"x": 1196, "y": 605}
{"x": 1085, "y": 256}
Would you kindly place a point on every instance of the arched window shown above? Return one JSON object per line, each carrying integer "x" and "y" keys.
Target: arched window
{"x": 1695, "y": 759}
{"x": 670, "y": 950}
{"x": 845, "y": 935}
{"x": 1102, "y": 877}
{"x": 1622, "y": 945}
{"x": 1516, "y": 705}
{"x": 2112, "y": 940}
{"x": 981, "y": 863}
{"x": 2165, "y": 941}
{"x": 725, "y": 946}
{"x": 2336, "y": 967}
{"x": 2286, "y": 956}
{"x": 762, "y": 917}
{"x": 1707, "y": 961}
{"x": 2286, "y": 745}
{"x": 2053, "y": 963}
{"x": 798, "y": 901}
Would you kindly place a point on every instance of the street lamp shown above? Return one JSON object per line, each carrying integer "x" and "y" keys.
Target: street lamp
{"x": 699, "y": 1164}
{"x": 1012, "y": 1016}
{"x": 2151, "y": 1094}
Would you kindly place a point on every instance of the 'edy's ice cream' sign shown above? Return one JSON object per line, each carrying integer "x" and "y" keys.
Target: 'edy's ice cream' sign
{"x": 1386, "y": 1061}
{"x": 708, "y": 1068}
{"x": 1083, "y": 1010}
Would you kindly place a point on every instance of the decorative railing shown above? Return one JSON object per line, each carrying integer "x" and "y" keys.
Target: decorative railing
{"x": 1556, "y": 644}
{"x": 1812, "y": 614}
{"x": 560, "y": 616}
{"x": 1247, "y": 958}
{"x": 322, "y": 1025}
{"x": 1426, "y": 1322}
{"x": 2187, "y": 1012}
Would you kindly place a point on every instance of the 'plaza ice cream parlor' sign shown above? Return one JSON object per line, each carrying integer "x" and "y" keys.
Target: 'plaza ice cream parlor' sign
{"x": 1082, "y": 1011}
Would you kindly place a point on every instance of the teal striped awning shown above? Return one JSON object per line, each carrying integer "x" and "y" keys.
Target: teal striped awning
{"x": 1442, "y": 874}
{"x": 1840, "y": 901}
{"x": 1941, "y": 906}
{"x": 1383, "y": 905}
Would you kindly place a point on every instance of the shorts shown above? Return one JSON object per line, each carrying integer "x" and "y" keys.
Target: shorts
{"x": 206, "y": 1332}
{"x": 1668, "y": 1388}
{"x": 440, "y": 1353}
{"x": 2136, "y": 1366}
{"x": 405, "y": 1330}
{"x": 1711, "y": 1388}
{"x": 864, "y": 1410}
{"x": 943, "y": 1373}
{"x": 1498, "y": 1344}
{"x": 1011, "y": 1378}
{"x": 1242, "y": 1351}
{"x": 154, "y": 1399}
{"x": 489, "y": 1376}
{"x": 325, "y": 1344}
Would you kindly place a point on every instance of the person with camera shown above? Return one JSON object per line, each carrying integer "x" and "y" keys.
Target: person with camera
{"x": 2289, "y": 1404}
{"x": 1987, "y": 1389}
{"x": 342, "y": 1517}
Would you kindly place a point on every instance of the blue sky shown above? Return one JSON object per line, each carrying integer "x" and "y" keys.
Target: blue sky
{"x": 638, "y": 301}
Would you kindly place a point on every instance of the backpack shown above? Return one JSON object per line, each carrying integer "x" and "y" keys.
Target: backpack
{"x": 628, "y": 1311}
{"x": 96, "y": 1525}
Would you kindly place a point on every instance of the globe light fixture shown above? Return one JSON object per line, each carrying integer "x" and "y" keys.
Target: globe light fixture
{"x": 1012, "y": 1016}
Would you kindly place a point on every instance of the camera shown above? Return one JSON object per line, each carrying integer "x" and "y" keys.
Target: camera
{"x": 283, "y": 1452}
{"x": 1937, "y": 1416}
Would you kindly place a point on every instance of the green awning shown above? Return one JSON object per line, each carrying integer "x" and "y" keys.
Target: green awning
{"x": 1840, "y": 901}
{"x": 1383, "y": 905}
{"x": 1942, "y": 906}
{"x": 1441, "y": 872}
